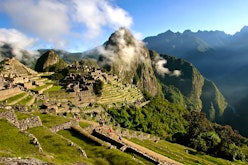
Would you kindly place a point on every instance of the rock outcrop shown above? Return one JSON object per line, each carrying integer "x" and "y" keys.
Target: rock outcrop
{"x": 50, "y": 61}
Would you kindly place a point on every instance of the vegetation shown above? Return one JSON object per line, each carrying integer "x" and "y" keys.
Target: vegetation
{"x": 53, "y": 144}
{"x": 14, "y": 142}
{"x": 54, "y": 88}
{"x": 183, "y": 154}
{"x": 21, "y": 116}
{"x": 191, "y": 129}
{"x": 214, "y": 139}
{"x": 16, "y": 97}
{"x": 158, "y": 117}
{"x": 52, "y": 120}
{"x": 39, "y": 88}
{"x": 50, "y": 62}
{"x": 97, "y": 87}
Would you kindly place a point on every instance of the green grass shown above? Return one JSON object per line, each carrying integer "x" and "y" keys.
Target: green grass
{"x": 21, "y": 116}
{"x": 51, "y": 120}
{"x": 2, "y": 110}
{"x": 15, "y": 143}
{"x": 58, "y": 148}
{"x": 54, "y": 88}
{"x": 26, "y": 100}
{"x": 178, "y": 152}
{"x": 41, "y": 87}
{"x": 118, "y": 93}
{"x": 83, "y": 124}
{"x": 101, "y": 154}
{"x": 16, "y": 97}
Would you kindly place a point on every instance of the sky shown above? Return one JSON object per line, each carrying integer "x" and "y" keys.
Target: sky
{"x": 79, "y": 25}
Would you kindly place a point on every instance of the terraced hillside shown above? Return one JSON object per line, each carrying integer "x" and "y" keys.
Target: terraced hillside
{"x": 115, "y": 92}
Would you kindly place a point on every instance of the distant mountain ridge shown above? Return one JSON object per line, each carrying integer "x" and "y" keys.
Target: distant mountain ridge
{"x": 220, "y": 57}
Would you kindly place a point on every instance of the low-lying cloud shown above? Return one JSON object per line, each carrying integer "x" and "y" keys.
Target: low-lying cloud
{"x": 126, "y": 50}
{"x": 161, "y": 70}
{"x": 12, "y": 43}
{"x": 64, "y": 23}
{"x": 17, "y": 38}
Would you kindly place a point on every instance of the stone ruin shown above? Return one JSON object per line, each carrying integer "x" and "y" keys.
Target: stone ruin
{"x": 23, "y": 124}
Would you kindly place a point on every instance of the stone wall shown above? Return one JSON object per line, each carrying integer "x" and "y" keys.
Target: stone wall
{"x": 10, "y": 116}
{"x": 30, "y": 123}
{"x": 136, "y": 134}
{"x": 7, "y": 93}
{"x": 21, "y": 124}
{"x": 63, "y": 126}
{"x": 16, "y": 161}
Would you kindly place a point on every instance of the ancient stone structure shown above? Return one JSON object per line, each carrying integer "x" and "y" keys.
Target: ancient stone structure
{"x": 63, "y": 126}
{"x": 21, "y": 161}
{"x": 10, "y": 116}
{"x": 24, "y": 124}
{"x": 30, "y": 123}
{"x": 7, "y": 93}
{"x": 136, "y": 134}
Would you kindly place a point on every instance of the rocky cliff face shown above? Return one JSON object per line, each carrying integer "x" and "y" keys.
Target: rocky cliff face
{"x": 127, "y": 57}
{"x": 49, "y": 61}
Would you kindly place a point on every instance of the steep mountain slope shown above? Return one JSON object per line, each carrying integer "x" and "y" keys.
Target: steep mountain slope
{"x": 180, "y": 81}
{"x": 128, "y": 58}
{"x": 224, "y": 60}
{"x": 183, "y": 84}
{"x": 50, "y": 61}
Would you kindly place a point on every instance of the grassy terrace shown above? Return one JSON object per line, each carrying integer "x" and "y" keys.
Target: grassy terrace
{"x": 15, "y": 143}
{"x": 82, "y": 124}
{"x": 57, "y": 149}
{"x": 27, "y": 100}
{"x": 21, "y": 116}
{"x": 15, "y": 98}
{"x": 51, "y": 120}
{"x": 54, "y": 88}
{"x": 178, "y": 152}
{"x": 114, "y": 93}
{"x": 39, "y": 88}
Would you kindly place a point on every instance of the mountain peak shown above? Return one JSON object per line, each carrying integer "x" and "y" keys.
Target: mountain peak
{"x": 244, "y": 29}
{"x": 128, "y": 58}
{"x": 49, "y": 61}
{"x": 121, "y": 38}
{"x": 122, "y": 47}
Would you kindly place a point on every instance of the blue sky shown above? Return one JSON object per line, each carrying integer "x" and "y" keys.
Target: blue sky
{"x": 78, "y": 25}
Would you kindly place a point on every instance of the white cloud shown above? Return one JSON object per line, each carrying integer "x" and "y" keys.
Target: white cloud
{"x": 161, "y": 70}
{"x": 160, "y": 67}
{"x": 126, "y": 51}
{"x": 97, "y": 14}
{"x": 15, "y": 37}
{"x": 176, "y": 73}
{"x": 64, "y": 22}
{"x": 18, "y": 41}
{"x": 46, "y": 18}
